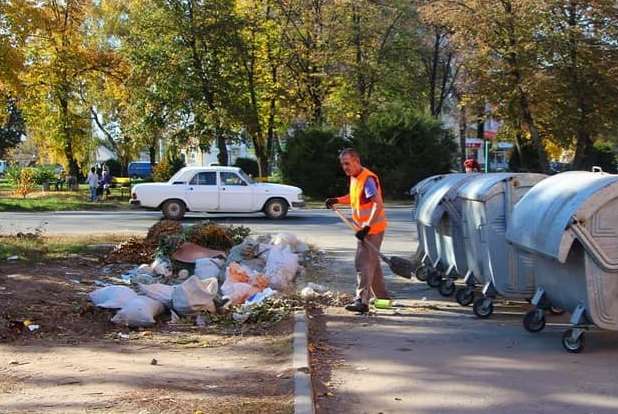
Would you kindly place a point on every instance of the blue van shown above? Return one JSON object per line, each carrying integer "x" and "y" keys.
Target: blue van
{"x": 139, "y": 169}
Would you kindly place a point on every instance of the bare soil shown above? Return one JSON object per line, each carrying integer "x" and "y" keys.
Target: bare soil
{"x": 79, "y": 362}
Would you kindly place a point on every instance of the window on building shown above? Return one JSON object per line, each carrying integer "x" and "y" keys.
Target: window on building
{"x": 204, "y": 178}
{"x": 228, "y": 178}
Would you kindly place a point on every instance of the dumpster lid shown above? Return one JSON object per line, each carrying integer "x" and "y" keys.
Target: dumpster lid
{"x": 424, "y": 184}
{"x": 482, "y": 188}
{"x": 429, "y": 211}
{"x": 543, "y": 215}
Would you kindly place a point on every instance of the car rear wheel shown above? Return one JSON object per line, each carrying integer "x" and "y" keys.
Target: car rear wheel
{"x": 276, "y": 209}
{"x": 174, "y": 209}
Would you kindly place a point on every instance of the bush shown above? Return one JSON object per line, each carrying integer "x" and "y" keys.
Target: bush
{"x": 45, "y": 174}
{"x": 526, "y": 161}
{"x": 603, "y": 156}
{"x": 248, "y": 165}
{"x": 404, "y": 147}
{"x": 26, "y": 183}
{"x": 164, "y": 170}
{"x": 311, "y": 162}
{"x": 114, "y": 167}
{"x": 12, "y": 175}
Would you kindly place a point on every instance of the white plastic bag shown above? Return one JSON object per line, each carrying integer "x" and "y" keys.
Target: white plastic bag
{"x": 159, "y": 292}
{"x": 112, "y": 297}
{"x": 281, "y": 268}
{"x": 139, "y": 312}
{"x": 195, "y": 295}
{"x": 284, "y": 240}
{"x": 238, "y": 292}
{"x": 162, "y": 266}
{"x": 208, "y": 267}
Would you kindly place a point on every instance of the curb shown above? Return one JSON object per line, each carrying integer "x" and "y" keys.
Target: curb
{"x": 303, "y": 389}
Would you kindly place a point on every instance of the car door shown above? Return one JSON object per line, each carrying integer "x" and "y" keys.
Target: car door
{"x": 235, "y": 194}
{"x": 203, "y": 192}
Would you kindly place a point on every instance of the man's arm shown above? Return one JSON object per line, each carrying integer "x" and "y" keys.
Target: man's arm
{"x": 344, "y": 199}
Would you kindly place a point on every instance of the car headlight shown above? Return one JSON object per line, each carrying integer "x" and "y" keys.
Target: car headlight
{"x": 300, "y": 196}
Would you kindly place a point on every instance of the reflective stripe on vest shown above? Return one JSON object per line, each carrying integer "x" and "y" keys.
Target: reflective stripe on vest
{"x": 362, "y": 212}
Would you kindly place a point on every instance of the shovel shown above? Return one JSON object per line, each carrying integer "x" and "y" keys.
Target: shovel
{"x": 398, "y": 265}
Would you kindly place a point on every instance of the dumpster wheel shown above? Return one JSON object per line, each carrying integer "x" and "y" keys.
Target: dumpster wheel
{"x": 464, "y": 296}
{"x": 447, "y": 287}
{"x": 434, "y": 278}
{"x": 534, "y": 321}
{"x": 422, "y": 272}
{"x": 483, "y": 307}
{"x": 571, "y": 344}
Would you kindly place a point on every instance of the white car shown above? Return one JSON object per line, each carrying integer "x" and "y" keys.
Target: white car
{"x": 216, "y": 190}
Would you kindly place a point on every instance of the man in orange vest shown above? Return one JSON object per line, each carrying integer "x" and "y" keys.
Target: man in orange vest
{"x": 365, "y": 198}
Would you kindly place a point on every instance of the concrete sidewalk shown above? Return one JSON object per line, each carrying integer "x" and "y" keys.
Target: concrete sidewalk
{"x": 434, "y": 357}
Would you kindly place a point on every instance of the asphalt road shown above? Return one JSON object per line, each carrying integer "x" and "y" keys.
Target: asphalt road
{"x": 319, "y": 226}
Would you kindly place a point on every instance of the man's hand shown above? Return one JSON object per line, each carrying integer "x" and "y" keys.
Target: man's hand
{"x": 362, "y": 233}
{"x": 330, "y": 202}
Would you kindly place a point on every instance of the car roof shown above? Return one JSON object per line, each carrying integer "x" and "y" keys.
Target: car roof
{"x": 212, "y": 168}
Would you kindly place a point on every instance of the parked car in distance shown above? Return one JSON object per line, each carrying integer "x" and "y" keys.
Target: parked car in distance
{"x": 139, "y": 169}
{"x": 216, "y": 190}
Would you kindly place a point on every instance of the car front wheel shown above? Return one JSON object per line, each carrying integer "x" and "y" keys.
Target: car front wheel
{"x": 276, "y": 209}
{"x": 174, "y": 210}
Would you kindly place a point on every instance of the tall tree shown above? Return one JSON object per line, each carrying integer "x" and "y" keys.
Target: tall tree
{"x": 581, "y": 44}
{"x": 498, "y": 40}
{"x": 60, "y": 66}
{"x": 13, "y": 129}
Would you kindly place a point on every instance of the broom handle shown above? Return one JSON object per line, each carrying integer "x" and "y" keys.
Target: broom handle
{"x": 354, "y": 228}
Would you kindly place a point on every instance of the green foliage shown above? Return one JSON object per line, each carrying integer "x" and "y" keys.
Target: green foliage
{"x": 311, "y": 162}
{"x": 525, "y": 161}
{"x": 12, "y": 175}
{"x": 403, "y": 147}
{"x": 45, "y": 174}
{"x": 115, "y": 168}
{"x": 12, "y": 129}
{"x": 248, "y": 165}
{"x": 604, "y": 156}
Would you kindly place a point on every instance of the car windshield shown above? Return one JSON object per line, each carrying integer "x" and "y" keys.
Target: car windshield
{"x": 245, "y": 177}
{"x": 176, "y": 176}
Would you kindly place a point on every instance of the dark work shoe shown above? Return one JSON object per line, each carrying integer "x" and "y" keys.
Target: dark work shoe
{"x": 357, "y": 306}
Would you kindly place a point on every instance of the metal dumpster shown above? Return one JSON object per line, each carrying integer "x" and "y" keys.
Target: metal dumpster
{"x": 570, "y": 223}
{"x": 423, "y": 266}
{"x": 439, "y": 224}
{"x": 487, "y": 205}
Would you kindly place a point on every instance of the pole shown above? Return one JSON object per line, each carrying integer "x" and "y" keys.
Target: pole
{"x": 486, "y": 156}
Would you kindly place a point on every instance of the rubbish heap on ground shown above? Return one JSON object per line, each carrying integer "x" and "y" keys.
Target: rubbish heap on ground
{"x": 206, "y": 270}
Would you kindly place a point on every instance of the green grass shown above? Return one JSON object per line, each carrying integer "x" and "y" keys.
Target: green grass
{"x": 35, "y": 247}
{"x": 61, "y": 201}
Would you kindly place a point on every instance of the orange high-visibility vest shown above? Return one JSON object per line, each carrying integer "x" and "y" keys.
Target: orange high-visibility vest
{"x": 362, "y": 212}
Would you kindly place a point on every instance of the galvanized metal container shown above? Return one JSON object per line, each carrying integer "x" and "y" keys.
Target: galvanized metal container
{"x": 439, "y": 224}
{"x": 487, "y": 206}
{"x": 417, "y": 192}
{"x": 569, "y": 222}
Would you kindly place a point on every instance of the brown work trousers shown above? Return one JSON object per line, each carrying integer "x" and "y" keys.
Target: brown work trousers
{"x": 369, "y": 276}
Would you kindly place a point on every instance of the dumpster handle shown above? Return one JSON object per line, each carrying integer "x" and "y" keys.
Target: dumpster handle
{"x": 593, "y": 248}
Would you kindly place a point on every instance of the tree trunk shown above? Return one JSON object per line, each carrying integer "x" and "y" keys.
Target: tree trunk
{"x": 433, "y": 75}
{"x": 222, "y": 157}
{"x": 583, "y": 151}
{"x": 463, "y": 126}
{"x": 152, "y": 153}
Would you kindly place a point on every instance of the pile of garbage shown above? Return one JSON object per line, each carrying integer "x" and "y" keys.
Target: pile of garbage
{"x": 204, "y": 269}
